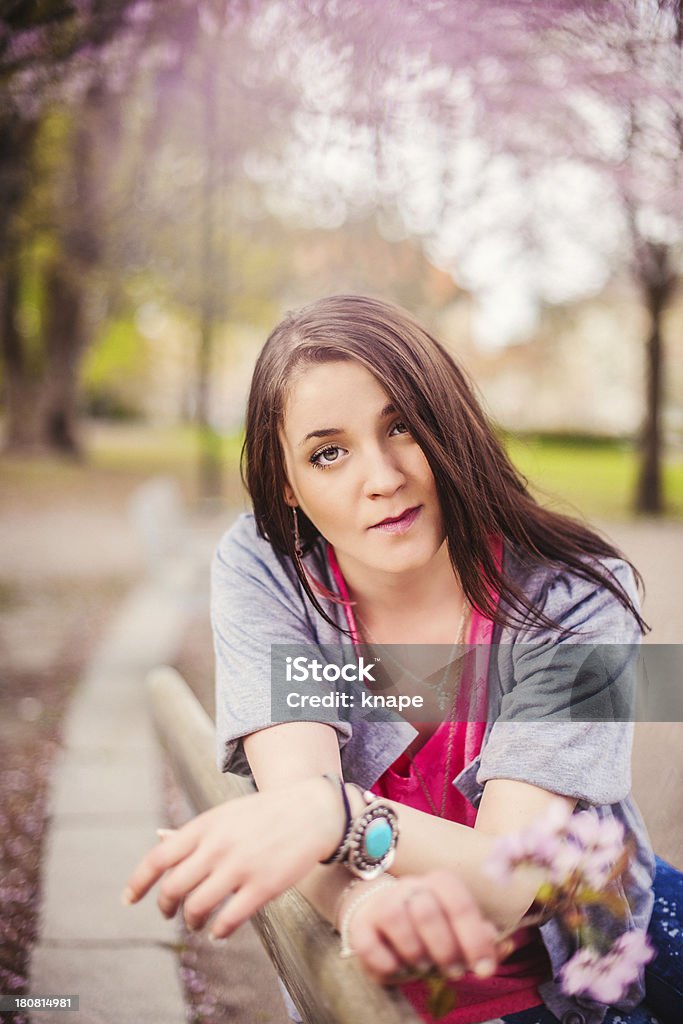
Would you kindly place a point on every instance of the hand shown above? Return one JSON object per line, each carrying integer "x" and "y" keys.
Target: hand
{"x": 424, "y": 921}
{"x": 250, "y": 849}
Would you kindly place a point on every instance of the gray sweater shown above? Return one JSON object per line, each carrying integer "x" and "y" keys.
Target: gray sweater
{"x": 538, "y": 730}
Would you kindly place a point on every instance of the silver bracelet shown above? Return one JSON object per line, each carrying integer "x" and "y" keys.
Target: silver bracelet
{"x": 345, "y": 952}
{"x": 370, "y": 843}
{"x": 353, "y": 884}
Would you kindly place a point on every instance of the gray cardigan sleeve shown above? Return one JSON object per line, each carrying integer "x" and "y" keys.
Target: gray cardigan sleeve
{"x": 564, "y": 723}
{"x": 255, "y": 602}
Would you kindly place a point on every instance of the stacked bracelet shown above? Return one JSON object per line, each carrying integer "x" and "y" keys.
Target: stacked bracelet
{"x": 349, "y": 887}
{"x": 368, "y": 842}
{"x": 339, "y": 852}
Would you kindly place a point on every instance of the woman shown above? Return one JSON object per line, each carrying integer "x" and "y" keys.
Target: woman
{"x": 386, "y": 512}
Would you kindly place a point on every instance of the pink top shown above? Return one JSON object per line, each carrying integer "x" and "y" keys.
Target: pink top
{"x": 514, "y": 986}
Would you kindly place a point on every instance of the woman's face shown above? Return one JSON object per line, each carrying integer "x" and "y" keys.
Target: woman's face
{"x": 357, "y": 473}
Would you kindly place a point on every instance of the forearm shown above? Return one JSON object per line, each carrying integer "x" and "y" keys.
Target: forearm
{"x": 279, "y": 757}
{"x": 285, "y": 754}
{"x": 290, "y": 752}
{"x": 427, "y": 842}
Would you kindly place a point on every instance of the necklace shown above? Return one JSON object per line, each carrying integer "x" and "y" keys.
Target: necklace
{"x": 439, "y": 812}
{"x": 451, "y": 733}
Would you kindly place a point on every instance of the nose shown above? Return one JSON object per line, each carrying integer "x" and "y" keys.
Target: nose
{"x": 383, "y": 475}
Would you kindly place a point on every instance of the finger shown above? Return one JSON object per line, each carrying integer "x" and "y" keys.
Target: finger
{"x": 207, "y": 897}
{"x": 475, "y": 935}
{"x": 159, "y": 859}
{"x": 180, "y": 881}
{"x": 375, "y": 955}
{"x": 434, "y": 928}
{"x": 397, "y": 929}
{"x": 246, "y": 900}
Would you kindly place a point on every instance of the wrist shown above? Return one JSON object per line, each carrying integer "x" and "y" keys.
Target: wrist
{"x": 353, "y": 904}
{"x": 329, "y": 815}
{"x": 355, "y": 798}
{"x": 353, "y": 889}
{"x": 366, "y": 841}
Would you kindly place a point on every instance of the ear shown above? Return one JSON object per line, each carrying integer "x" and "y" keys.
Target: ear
{"x": 290, "y": 497}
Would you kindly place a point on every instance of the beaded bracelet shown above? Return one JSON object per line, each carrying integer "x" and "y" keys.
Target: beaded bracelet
{"x": 337, "y": 854}
{"x": 346, "y": 951}
{"x": 368, "y": 843}
{"x": 349, "y": 887}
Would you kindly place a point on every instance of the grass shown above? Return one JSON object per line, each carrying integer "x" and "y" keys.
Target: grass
{"x": 597, "y": 480}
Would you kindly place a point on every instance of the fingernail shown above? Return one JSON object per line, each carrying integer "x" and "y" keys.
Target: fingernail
{"x": 424, "y": 966}
{"x": 217, "y": 940}
{"x": 455, "y": 972}
{"x": 506, "y": 948}
{"x": 484, "y": 968}
{"x": 127, "y": 897}
{"x": 164, "y": 832}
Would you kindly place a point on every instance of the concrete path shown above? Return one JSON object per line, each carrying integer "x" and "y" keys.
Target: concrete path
{"x": 106, "y": 805}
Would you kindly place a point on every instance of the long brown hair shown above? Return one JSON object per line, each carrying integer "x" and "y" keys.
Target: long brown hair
{"x": 480, "y": 491}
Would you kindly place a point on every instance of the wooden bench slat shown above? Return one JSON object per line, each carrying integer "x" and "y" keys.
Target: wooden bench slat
{"x": 302, "y": 945}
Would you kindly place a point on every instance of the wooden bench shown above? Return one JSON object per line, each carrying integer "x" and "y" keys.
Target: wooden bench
{"x": 303, "y": 947}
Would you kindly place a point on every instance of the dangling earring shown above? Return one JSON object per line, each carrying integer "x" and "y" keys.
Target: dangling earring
{"x": 297, "y": 539}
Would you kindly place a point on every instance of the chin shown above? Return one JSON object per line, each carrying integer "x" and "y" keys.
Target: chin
{"x": 404, "y": 561}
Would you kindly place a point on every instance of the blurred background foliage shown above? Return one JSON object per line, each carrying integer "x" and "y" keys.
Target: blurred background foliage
{"x": 174, "y": 175}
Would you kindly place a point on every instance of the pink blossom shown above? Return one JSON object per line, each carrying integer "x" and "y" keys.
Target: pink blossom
{"x": 563, "y": 844}
{"x": 566, "y": 861}
{"x": 592, "y": 833}
{"x": 607, "y": 978}
{"x": 602, "y": 843}
{"x": 540, "y": 844}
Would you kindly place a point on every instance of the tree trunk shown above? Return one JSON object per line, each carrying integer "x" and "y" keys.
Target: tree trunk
{"x": 649, "y": 487}
{"x": 64, "y": 346}
{"x": 21, "y": 386}
{"x": 209, "y": 442}
{"x": 68, "y": 278}
{"x": 22, "y": 405}
{"x": 657, "y": 287}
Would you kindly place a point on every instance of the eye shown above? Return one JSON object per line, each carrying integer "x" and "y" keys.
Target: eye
{"x": 326, "y": 456}
{"x": 399, "y": 428}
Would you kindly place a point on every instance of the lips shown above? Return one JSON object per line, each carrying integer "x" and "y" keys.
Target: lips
{"x": 400, "y": 523}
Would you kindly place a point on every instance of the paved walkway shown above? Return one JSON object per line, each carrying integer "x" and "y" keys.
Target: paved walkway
{"x": 106, "y": 806}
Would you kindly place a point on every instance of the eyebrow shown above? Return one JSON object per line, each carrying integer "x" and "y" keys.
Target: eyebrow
{"x": 388, "y": 410}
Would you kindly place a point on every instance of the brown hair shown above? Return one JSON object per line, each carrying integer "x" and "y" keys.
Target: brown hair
{"x": 480, "y": 491}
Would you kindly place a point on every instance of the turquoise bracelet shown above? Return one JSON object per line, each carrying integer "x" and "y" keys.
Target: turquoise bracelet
{"x": 370, "y": 846}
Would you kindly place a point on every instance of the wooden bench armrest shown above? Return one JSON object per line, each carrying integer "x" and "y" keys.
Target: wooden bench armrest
{"x": 302, "y": 945}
